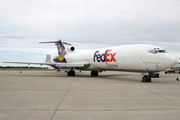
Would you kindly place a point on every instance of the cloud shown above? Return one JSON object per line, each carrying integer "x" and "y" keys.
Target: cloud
{"x": 91, "y": 18}
{"x": 88, "y": 23}
{"x": 117, "y": 19}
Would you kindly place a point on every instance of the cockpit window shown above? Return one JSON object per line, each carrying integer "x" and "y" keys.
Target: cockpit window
{"x": 151, "y": 51}
{"x": 161, "y": 51}
{"x": 155, "y": 51}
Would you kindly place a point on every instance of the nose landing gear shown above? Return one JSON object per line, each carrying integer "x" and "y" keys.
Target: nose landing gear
{"x": 146, "y": 78}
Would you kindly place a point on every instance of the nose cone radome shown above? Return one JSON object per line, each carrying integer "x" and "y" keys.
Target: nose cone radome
{"x": 170, "y": 61}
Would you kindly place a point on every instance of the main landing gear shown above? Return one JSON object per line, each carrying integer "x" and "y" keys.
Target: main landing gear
{"x": 146, "y": 78}
{"x": 71, "y": 73}
{"x": 94, "y": 73}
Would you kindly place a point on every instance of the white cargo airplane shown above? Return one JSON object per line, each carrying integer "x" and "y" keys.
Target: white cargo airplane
{"x": 141, "y": 58}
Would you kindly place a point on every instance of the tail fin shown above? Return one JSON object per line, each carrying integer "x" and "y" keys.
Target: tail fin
{"x": 48, "y": 59}
{"x": 60, "y": 48}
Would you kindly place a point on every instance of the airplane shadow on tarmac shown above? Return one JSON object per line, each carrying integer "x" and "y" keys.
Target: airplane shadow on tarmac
{"x": 108, "y": 76}
{"x": 129, "y": 77}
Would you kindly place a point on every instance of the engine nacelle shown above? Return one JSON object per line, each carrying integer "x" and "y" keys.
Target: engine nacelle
{"x": 72, "y": 48}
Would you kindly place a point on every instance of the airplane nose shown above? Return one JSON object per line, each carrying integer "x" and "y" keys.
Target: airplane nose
{"x": 170, "y": 61}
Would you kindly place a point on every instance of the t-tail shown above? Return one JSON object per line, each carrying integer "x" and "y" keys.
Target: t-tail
{"x": 61, "y": 50}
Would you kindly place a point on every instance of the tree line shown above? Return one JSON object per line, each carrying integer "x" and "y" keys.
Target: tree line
{"x": 23, "y": 67}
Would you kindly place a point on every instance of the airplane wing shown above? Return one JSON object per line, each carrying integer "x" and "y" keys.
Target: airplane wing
{"x": 56, "y": 64}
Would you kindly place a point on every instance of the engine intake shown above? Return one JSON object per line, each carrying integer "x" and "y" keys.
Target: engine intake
{"x": 72, "y": 48}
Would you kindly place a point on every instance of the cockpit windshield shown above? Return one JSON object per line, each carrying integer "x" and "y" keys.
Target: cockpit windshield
{"x": 157, "y": 50}
{"x": 161, "y": 51}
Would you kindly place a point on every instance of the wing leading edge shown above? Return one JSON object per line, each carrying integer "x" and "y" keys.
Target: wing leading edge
{"x": 56, "y": 64}
{"x": 53, "y": 64}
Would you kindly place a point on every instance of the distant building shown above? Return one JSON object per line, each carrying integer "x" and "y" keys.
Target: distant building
{"x": 50, "y": 68}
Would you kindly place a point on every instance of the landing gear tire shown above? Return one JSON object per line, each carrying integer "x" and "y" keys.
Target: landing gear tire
{"x": 146, "y": 78}
{"x": 157, "y": 76}
{"x": 71, "y": 73}
{"x": 94, "y": 73}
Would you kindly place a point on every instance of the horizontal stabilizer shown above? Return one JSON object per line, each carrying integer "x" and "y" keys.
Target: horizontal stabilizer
{"x": 56, "y": 42}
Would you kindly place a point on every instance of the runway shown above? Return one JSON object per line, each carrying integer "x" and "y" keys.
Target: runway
{"x": 36, "y": 95}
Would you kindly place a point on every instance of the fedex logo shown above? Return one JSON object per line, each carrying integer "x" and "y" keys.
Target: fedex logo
{"x": 105, "y": 57}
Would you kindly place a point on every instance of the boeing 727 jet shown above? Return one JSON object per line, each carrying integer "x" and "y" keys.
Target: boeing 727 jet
{"x": 143, "y": 58}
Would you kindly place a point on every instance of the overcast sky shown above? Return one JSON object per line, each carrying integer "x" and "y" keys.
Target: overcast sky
{"x": 87, "y": 24}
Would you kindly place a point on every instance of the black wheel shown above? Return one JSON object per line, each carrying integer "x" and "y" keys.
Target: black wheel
{"x": 68, "y": 73}
{"x": 71, "y": 73}
{"x": 94, "y": 73}
{"x": 157, "y": 76}
{"x": 144, "y": 79}
{"x": 149, "y": 79}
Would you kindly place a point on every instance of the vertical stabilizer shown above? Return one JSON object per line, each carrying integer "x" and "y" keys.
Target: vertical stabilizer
{"x": 61, "y": 51}
{"x": 60, "y": 48}
{"x": 48, "y": 59}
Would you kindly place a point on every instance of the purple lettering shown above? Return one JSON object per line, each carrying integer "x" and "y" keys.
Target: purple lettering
{"x": 105, "y": 57}
{"x": 95, "y": 55}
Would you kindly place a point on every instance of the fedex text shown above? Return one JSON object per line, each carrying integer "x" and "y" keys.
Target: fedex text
{"x": 105, "y": 57}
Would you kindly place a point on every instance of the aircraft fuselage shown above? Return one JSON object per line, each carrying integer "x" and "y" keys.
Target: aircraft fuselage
{"x": 137, "y": 58}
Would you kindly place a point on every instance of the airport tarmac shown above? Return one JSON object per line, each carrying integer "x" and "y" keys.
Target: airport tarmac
{"x": 36, "y": 95}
